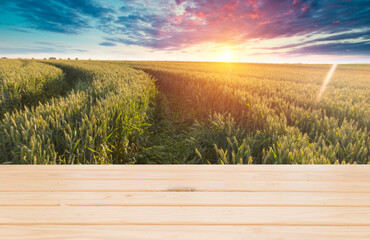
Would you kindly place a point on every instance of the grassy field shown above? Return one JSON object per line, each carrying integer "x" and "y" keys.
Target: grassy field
{"x": 110, "y": 112}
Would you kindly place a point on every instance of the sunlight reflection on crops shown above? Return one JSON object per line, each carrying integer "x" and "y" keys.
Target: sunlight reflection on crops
{"x": 326, "y": 82}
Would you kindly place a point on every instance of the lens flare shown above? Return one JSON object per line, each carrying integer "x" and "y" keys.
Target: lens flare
{"x": 326, "y": 81}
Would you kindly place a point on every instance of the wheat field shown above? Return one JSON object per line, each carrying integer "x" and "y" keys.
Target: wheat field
{"x": 112, "y": 112}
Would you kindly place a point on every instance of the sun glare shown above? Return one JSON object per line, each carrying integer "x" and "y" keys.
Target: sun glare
{"x": 326, "y": 81}
{"x": 227, "y": 56}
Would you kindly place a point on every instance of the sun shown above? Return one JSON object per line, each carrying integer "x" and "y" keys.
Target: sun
{"x": 227, "y": 55}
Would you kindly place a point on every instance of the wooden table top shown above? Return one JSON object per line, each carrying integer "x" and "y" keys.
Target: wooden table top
{"x": 178, "y": 202}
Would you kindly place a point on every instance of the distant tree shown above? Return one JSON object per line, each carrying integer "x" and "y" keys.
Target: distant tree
{"x": 44, "y": 58}
{"x": 52, "y": 58}
{"x": 69, "y": 59}
{"x": 76, "y": 59}
{"x": 4, "y": 58}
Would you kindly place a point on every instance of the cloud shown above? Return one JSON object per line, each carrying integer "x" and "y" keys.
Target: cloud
{"x": 52, "y": 44}
{"x": 22, "y": 50}
{"x": 107, "y": 44}
{"x": 81, "y": 50}
{"x": 191, "y": 22}
{"x": 341, "y": 49}
{"x": 58, "y": 15}
{"x": 41, "y": 47}
{"x": 179, "y": 1}
{"x": 362, "y": 35}
{"x": 19, "y": 30}
{"x": 177, "y": 24}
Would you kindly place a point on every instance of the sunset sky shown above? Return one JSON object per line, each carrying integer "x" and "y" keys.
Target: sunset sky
{"x": 190, "y": 30}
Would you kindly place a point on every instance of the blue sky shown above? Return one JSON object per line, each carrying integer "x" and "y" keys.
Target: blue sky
{"x": 195, "y": 30}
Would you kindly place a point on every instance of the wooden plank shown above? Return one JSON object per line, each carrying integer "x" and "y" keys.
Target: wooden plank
{"x": 233, "y": 168}
{"x": 106, "y": 215}
{"x": 186, "y": 175}
{"x": 150, "y": 232}
{"x": 185, "y": 199}
{"x": 179, "y": 185}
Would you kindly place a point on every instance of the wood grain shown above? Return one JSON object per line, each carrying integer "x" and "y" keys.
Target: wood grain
{"x": 286, "y": 199}
{"x": 180, "y": 202}
{"x": 15, "y": 185}
{"x": 158, "y": 232}
{"x": 186, "y": 175}
{"x": 192, "y": 168}
{"x": 124, "y": 215}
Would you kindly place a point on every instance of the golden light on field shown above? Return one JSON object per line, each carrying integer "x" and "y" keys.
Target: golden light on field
{"x": 326, "y": 81}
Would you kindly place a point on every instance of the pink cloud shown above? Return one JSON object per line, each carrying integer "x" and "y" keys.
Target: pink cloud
{"x": 180, "y": 1}
{"x": 180, "y": 18}
{"x": 202, "y": 15}
{"x": 253, "y": 15}
{"x": 265, "y": 22}
{"x": 289, "y": 12}
{"x": 232, "y": 22}
{"x": 305, "y": 8}
{"x": 231, "y": 5}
